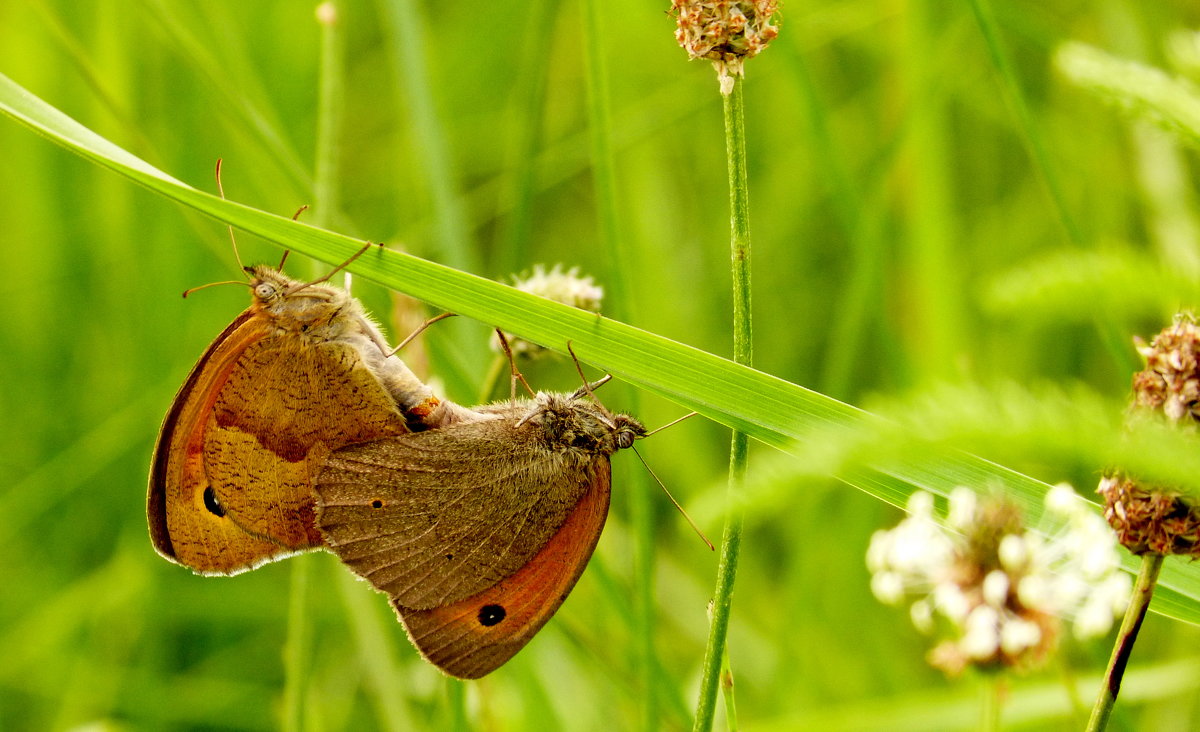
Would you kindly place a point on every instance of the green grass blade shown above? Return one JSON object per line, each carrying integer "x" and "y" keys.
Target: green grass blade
{"x": 1034, "y": 139}
{"x": 403, "y": 21}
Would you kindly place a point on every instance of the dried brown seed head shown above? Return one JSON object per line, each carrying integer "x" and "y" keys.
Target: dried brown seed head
{"x": 1170, "y": 383}
{"x": 726, "y": 32}
{"x": 1149, "y": 518}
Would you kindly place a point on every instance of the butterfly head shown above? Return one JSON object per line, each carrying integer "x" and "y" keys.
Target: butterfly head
{"x": 626, "y": 429}
{"x": 291, "y": 304}
{"x": 579, "y": 424}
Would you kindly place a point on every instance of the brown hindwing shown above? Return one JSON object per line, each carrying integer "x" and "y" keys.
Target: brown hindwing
{"x": 435, "y": 517}
{"x": 474, "y": 636}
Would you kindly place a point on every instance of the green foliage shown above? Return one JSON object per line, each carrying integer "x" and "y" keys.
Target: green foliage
{"x": 1142, "y": 91}
{"x": 932, "y": 206}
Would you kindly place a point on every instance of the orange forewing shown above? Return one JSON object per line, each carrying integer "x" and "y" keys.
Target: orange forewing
{"x": 290, "y": 380}
{"x": 474, "y": 636}
{"x": 186, "y": 525}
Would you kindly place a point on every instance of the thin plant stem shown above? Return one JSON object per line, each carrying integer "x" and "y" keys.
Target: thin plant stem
{"x": 295, "y": 649}
{"x": 487, "y": 388}
{"x": 1079, "y": 710}
{"x": 329, "y": 106}
{"x": 863, "y": 227}
{"x": 620, "y": 305}
{"x": 456, "y": 701}
{"x": 257, "y": 121}
{"x": 1039, "y": 154}
{"x": 931, "y": 239}
{"x": 375, "y": 653}
{"x": 457, "y": 351}
{"x": 528, "y": 109}
{"x": 330, "y": 96}
{"x": 1032, "y": 134}
{"x": 403, "y": 19}
{"x": 992, "y": 698}
{"x": 1143, "y": 591}
{"x": 731, "y": 541}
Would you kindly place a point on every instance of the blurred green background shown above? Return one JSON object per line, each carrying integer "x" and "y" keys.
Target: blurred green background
{"x": 903, "y": 183}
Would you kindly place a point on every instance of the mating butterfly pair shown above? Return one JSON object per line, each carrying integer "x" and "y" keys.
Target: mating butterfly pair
{"x": 297, "y": 430}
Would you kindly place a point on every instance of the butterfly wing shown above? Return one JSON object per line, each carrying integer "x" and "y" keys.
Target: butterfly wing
{"x": 230, "y": 484}
{"x": 187, "y": 523}
{"x": 286, "y": 404}
{"x": 474, "y": 636}
{"x": 435, "y": 517}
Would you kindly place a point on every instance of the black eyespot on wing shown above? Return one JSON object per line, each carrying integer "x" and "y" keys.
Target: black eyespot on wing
{"x": 490, "y": 615}
{"x": 377, "y": 503}
{"x": 212, "y": 503}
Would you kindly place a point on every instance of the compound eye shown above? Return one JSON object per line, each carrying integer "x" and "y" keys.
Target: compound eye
{"x": 264, "y": 291}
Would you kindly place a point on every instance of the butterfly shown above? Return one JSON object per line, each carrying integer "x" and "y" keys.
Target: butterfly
{"x": 302, "y": 372}
{"x": 477, "y": 530}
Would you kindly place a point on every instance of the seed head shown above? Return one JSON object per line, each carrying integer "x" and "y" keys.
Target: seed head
{"x": 726, "y": 32}
{"x": 1170, "y": 383}
{"x": 1150, "y": 517}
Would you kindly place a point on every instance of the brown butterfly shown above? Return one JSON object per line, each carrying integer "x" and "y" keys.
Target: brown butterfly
{"x": 299, "y": 374}
{"x": 477, "y": 531}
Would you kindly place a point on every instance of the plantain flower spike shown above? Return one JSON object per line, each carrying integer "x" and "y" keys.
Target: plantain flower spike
{"x": 993, "y": 593}
{"x": 1152, "y": 518}
{"x": 726, "y": 32}
{"x": 568, "y": 287}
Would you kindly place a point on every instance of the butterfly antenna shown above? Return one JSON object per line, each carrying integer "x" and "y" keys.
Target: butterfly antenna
{"x": 331, "y": 272}
{"x": 589, "y": 388}
{"x": 672, "y": 423}
{"x": 232, "y": 239}
{"x": 214, "y": 284}
{"x": 674, "y": 502}
{"x": 286, "y": 252}
{"x": 420, "y": 329}
{"x": 515, "y": 374}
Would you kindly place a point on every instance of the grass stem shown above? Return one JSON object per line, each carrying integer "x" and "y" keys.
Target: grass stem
{"x": 1143, "y": 591}
{"x": 325, "y": 198}
{"x": 330, "y": 103}
{"x": 620, "y": 305}
{"x": 1038, "y": 150}
{"x": 731, "y": 541}
{"x": 295, "y": 649}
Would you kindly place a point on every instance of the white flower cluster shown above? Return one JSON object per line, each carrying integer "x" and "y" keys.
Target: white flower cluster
{"x": 999, "y": 591}
{"x": 568, "y": 287}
